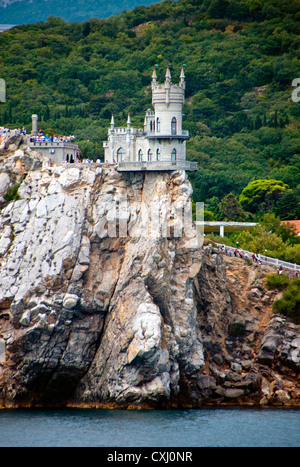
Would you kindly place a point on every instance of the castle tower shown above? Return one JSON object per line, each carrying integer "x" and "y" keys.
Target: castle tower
{"x": 168, "y": 100}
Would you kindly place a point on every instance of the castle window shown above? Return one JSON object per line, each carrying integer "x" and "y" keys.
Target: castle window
{"x": 174, "y": 126}
{"x": 149, "y": 155}
{"x": 174, "y": 155}
{"x": 140, "y": 155}
{"x": 158, "y": 125}
{"x": 158, "y": 155}
{"x": 120, "y": 155}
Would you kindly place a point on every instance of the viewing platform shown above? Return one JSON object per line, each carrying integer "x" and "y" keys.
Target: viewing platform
{"x": 57, "y": 151}
{"x": 223, "y": 227}
{"x": 182, "y": 135}
{"x": 141, "y": 166}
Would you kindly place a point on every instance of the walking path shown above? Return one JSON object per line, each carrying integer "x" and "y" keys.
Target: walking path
{"x": 261, "y": 259}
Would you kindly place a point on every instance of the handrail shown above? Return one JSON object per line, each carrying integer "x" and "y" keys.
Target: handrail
{"x": 173, "y": 163}
{"x": 265, "y": 259}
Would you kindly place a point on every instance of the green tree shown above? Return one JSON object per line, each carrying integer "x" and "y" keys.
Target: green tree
{"x": 231, "y": 210}
{"x": 262, "y": 195}
{"x": 261, "y": 240}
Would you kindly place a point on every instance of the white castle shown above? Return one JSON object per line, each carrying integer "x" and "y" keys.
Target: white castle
{"x": 161, "y": 144}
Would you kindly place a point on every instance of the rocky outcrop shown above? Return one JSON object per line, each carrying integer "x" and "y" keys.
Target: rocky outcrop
{"x": 108, "y": 300}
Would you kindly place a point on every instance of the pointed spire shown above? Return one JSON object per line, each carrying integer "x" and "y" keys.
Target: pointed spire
{"x": 154, "y": 75}
{"x": 182, "y": 78}
{"x": 112, "y": 123}
{"x": 182, "y": 75}
{"x": 168, "y": 74}
{"x": 128, "y": 121}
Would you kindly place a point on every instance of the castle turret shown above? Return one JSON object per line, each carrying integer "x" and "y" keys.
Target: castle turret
{"x": 168, "y": 100}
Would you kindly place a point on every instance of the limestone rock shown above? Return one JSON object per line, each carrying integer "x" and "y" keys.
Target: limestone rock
{"x": 108, "y": 300}
{"x": 70, "y": 301}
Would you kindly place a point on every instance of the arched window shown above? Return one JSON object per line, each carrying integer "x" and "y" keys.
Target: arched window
{"x": 120, "y": 155}
{"x": 173, "y": 126}
{"x": 149, "y": 155}
{"x": 151, "y": 128}
{"x": 157, "y": 154}
{"x": 158, "y": 125}
{"x": 140, "y": 155}
{"x": 174, "y": 155}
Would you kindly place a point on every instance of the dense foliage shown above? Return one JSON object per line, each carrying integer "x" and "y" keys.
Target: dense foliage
{"x": 289, "y": 303}
{"x": 269, "y": 237}
{"x": 241, "y": 57}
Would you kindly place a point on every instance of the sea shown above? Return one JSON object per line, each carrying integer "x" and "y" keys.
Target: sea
{"x": 115, "y": 429}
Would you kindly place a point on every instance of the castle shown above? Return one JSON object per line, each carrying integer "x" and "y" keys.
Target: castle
{"x": 161, "y": 144}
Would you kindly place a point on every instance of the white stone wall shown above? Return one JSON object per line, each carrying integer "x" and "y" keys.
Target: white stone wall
{"x": 59, "y": 155}
{"x": 137, "y": 143}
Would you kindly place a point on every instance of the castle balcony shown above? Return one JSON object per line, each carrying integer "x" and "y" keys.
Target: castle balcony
{"x": 152, "y": 135}
{"x": 143, "y": 166}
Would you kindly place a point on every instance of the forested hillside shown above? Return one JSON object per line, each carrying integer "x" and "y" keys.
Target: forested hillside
{"x": 241, "y": 57}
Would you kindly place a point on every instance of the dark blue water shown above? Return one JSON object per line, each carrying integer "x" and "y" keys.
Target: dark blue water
{"x": 179, "y": 428}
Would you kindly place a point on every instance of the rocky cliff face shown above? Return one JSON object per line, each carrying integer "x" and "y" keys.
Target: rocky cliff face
{"x": 101, "y": 308}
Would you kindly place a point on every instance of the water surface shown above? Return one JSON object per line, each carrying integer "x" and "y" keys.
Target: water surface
{"x": 178, "y": 428}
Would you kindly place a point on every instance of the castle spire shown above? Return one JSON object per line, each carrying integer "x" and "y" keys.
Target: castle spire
{"x": 154, "y": 75}
{"x": 154, "y": 78}
{"x": 182, "y": 78}
{"x": 168, "y": 84}
{"x": 128, "y": 121}
{"x": 168, "y": 75}
{"x": 112, "y": 123}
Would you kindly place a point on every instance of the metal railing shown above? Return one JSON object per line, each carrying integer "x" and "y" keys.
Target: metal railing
{"x": 53, "y": 143}
{"x": 157, "y": 165}
{"x": 263, "y": 258}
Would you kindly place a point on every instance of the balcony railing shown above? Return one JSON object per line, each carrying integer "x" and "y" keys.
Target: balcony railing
{"x": 157, "y": 165}
{"x": 156, "y": 135}
{"x": 52, "y": 143}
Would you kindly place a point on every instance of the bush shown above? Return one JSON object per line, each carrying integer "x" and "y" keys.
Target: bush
{"x": 12, "y": 193}
{"x": 289, "y": 304}
{"x": 276, "y": 281}
{"x": 292, "y": 254}
{"x": 236, "y": 329}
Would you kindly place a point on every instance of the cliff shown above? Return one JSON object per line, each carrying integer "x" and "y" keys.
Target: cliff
{"x": 100, "y": 307}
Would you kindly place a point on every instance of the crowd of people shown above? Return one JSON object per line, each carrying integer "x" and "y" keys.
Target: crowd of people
{"x": 51, "y": 139}
{"x": 256, "y": 258}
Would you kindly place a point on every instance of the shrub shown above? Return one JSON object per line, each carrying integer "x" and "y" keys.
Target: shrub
{"x": 236, "y": 329}
{"x": 277, "y": 281}
{"x": 289, "y": 304}
{"x": 12, "y": 193}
